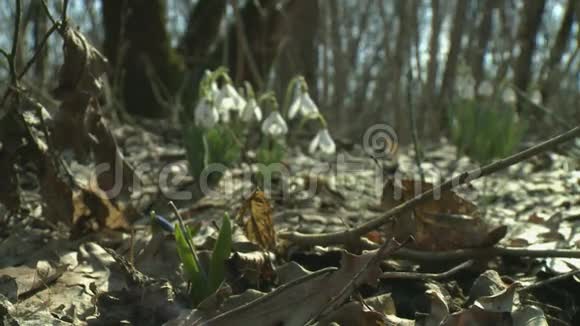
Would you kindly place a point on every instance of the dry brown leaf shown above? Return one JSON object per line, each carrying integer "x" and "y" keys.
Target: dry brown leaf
{"x": 447, "y": 214}
{"x": 255, "y": 217}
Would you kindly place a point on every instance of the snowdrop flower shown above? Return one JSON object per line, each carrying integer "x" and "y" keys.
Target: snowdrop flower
{"x": 485, "y": 89}
{"x": 228, "y": 99}
{"x": 252, "y": 111}
{"x": 205, "y": 114}
{"x": 274, "y": 125}
{"x": 537, "y": 97}
{"x": 509, "y": 96}
{"x": 322, "y": 141}
{"x": 304, "y": 104}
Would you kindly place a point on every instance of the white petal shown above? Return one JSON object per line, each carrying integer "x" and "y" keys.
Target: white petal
{"x": 326, "y": 145}
{"x": 295, "y": 107}
{"x": 205, "y": 114}
{"x": 314, "y": 143}
{"x": 274, "y": 125}
{"x": 238, "y": 101}
{"x": 309, "y": 108}
{"x": 251, "y": 111}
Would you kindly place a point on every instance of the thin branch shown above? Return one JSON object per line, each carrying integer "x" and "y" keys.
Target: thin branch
{"x": 428, "y": 276}
{"x": 471, "y": 253}
{"x": 47, "y": 11}
{"x": 6, "y": 55}
{"x": 353, "y": 236}
{"x": 550, "y": 280}
{"x": 15, "y": 37}
{"x": 38, "y": 51}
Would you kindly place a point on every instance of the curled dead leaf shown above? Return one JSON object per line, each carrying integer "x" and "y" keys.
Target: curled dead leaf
{"x": 255, "y": 218}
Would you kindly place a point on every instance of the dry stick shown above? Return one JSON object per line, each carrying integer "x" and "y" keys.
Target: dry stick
{"x": 550, "y": 280}
{"x": 428, "y": 276}
{"x": 459, "y": 254}
{"x": 353, "y": 236}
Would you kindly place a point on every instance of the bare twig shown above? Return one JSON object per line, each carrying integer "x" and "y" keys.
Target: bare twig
{"x": 461, "y": 254}
{"x": 428, "y": 276}
{"x": 353, "y": 236}
{"x": 15, "y": 37}
{"x": 550, "y": 280}
{"x": 47, "y": 11}
{"x": 38, "y": 51}
{"x": 521, "y": 94}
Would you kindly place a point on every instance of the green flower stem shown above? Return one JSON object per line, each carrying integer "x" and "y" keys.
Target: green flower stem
{"x": 249, "y": 90}
{"x": 270, "y": 98}
{"x": 290, "y": 90}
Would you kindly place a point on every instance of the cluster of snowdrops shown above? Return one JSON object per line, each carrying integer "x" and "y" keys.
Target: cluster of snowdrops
{"x": 243, "y": 110}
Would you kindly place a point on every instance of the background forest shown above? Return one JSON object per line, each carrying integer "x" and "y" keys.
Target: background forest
{"x": 290, "y": 162}
{"x": 355, "y": 55}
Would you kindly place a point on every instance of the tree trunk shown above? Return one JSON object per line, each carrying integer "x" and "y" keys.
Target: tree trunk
{"x": 484, "y": 30}
{"x": 530, "y": 24}
{"x": 448, "y": 82}
{"x": 429, "y": 92}
{"x": 549, "y": 84}
{"x": 138, "y": 46}
{"x": 298, "y": 54}
{"x": 202, "y": 31}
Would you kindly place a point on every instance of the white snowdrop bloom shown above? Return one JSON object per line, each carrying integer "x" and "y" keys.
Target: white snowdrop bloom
{"x": 304, "y": 104}
{"x": 485, "y": 89}
{"x": 228, "y": 99}
{"x": 252, "y": 111}
{"x": 205, "y": 114}
{"x": 215, "y": 91}
{"x": 322, "y": 141}
{"x": 274, "y": 125}
{"x": 509, "y": 96}
{"x": 537, "y": 97}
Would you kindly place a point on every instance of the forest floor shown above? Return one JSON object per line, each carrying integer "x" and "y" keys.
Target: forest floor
{"x": 462, "y": 268}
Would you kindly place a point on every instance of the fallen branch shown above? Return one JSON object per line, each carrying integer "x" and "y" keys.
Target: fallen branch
{"x": 428, "y": 276}
{"x": 352, "y": 236}
{"x": 461, "y": 254}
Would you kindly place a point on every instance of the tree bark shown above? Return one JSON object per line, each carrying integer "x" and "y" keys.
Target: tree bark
{"x": 549, "y": 84}
{"x": 202, "y": 31}
{"x": 448, "y": 82}
{"x": 484, "y": 30}
{"x": 137, "y": 42}
{"x": 527, "y": 31}
{"x": 298, "y": 54}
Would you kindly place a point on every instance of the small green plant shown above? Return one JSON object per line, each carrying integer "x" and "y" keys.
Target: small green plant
{"x": 485, "y": 128}
{"x": 204, "y": 282}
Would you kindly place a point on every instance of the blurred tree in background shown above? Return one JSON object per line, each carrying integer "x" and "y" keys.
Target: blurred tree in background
{"x": 354, "y": 54}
